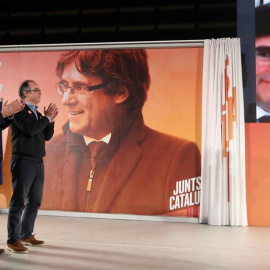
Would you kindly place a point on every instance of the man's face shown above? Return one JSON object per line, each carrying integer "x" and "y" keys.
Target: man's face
{"x": 263, "y": 72}
{"x": 33, "y": 96}
{"x": 92, "y": 113}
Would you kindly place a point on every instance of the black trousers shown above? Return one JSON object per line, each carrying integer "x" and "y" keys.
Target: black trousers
{"x": 27, "y": 184}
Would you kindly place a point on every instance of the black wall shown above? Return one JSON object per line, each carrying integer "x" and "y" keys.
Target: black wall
{"x": 45, "y": 22}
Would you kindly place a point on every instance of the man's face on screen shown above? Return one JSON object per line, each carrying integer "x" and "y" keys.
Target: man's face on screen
{"x": 262, "y": 45}
{"x": 90, "y": 113}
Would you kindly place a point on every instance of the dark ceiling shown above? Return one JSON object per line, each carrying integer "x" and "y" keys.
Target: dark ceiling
{"x": 47, "y": 22}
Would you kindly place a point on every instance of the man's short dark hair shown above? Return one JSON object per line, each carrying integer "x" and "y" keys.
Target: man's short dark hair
{"x": 24, "y": 87}
{"x": 262, "y": 20}
{"x": 120, "y": 69}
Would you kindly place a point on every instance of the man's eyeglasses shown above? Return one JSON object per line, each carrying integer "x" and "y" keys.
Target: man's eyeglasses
{"x": 35, "y": 90}
{"x": 63, "y": 87}
{"x": 263, "y": 55}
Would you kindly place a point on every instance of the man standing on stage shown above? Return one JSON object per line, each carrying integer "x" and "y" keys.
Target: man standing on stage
{"x": 7, "y": 111}
{"x": 30, "y": 130}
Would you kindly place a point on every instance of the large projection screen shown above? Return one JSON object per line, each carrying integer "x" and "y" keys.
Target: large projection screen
{"x": 153, "y": 165}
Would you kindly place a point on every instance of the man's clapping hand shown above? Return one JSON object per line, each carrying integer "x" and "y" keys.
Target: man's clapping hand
{"x": 9, "y": 109}
{"x": 51, "y": 112}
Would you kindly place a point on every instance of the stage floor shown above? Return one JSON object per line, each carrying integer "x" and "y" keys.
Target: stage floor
{"x": 88, "y": 243}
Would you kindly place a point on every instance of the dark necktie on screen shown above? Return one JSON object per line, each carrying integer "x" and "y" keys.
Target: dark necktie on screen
{"x": 96, "y": 150}
{"x": 264, "y": 119}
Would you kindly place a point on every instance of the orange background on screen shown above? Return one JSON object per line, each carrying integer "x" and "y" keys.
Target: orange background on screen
{"x": 173, "y": 105}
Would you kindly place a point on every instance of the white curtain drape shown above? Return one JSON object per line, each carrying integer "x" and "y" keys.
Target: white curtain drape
{"x": 223, "y": 194}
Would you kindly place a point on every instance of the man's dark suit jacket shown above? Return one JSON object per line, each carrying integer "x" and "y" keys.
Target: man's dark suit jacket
{"x": 138, "y": 176}
{"x": 4, "y": 122}
{"x": 29, "y": 135}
